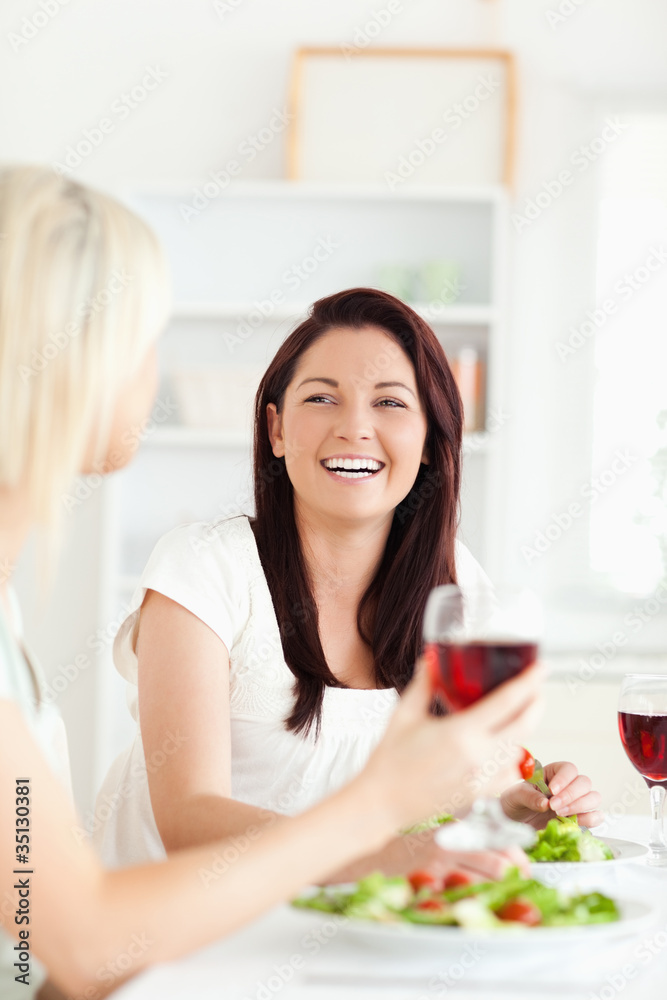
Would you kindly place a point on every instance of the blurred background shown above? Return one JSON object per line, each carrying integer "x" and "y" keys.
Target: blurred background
{"x": 512, "y": 187}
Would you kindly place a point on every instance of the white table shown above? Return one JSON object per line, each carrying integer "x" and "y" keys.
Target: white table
{"x": 258, "y": 962}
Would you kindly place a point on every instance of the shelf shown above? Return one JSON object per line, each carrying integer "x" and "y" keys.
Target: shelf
{"x": 297, "y": 190}
{"x": 461, "y": 314}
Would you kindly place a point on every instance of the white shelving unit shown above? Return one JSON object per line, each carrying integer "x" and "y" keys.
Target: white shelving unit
{"x": 243, "y": 275}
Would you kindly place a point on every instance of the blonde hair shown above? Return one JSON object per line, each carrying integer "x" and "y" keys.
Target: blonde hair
{"x": 84, "y": 292}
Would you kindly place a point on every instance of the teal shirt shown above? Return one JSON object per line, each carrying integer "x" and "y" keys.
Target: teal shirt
{"x": 18, "y": 685}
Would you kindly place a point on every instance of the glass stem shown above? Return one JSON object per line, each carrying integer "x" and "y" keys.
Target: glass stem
{"x": 657, "y": 840}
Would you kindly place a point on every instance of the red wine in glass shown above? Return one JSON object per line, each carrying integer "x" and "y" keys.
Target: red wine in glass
{"x": 644, "y": 739}
{"x": 642, "y": 724}
{"x": 464, "y": 672}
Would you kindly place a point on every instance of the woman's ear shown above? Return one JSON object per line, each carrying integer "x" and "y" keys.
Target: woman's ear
{"x": 274, "y": 423}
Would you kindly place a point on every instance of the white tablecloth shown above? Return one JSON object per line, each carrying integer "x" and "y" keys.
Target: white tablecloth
{"x": 280, "y": 958}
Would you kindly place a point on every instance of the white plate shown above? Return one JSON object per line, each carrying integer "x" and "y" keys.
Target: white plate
{"x": 635, "y": 916}
{"x": 623, "y": 850}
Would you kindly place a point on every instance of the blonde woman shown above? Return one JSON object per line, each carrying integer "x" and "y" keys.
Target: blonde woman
{"x": 64, "y": 246}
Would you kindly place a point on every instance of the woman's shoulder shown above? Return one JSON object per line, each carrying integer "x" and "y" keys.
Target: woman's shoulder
{"x": 205, "y": 547}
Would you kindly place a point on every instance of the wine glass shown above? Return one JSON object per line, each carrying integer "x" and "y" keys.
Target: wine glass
{"x": 642, "y": 723}
{"x": 473, "y": 642}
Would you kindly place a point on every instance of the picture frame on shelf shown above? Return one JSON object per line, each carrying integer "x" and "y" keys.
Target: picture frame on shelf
{"x": 444, "y": 116}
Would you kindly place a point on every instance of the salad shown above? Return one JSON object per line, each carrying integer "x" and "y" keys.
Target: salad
{"x": 563, "y": 839}
{"x": 421, "y": 898}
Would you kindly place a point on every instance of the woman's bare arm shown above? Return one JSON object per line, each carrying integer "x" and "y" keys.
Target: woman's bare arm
{"x": 83, "y": 918}
{"x": 184, "y": 689}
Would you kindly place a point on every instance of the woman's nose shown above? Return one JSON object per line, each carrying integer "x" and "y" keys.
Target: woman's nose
{"x": 353, "y": 422}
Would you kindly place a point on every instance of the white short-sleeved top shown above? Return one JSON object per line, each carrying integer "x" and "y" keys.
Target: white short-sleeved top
{"x": 46, "y": 726}
{"x": 214, "y": 571}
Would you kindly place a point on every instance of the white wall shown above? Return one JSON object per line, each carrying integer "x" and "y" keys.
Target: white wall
{"x": 224, "y": 76}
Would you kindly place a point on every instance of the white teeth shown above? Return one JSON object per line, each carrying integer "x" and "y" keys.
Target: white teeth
{"x": 351, "y": 475}
{"x": 352, "y": 464}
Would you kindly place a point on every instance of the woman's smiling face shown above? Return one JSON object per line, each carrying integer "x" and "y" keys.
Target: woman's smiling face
{"x": 352, "y": 428}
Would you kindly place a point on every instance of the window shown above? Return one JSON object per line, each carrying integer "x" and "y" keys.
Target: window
{"x": 628, "y": 531}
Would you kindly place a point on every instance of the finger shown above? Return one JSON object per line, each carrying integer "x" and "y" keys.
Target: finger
{"x": 483, "y": 865}
{"x": 517, "y": 859}
{"x": 474, "y": 874}
{"x": 590, "y": 819}
{"x": 416, "y": 697}
{"x": 490, "y": 865}
{"x": 527, "y": 795}
{"x": 559, "y": 775}
{"x": 585, "y": 803}
{"x": 581, "y": 786}
{"x": 504, "y": 703}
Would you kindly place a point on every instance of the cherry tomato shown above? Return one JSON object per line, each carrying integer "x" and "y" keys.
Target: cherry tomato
{"x": 454, "y": 880}
{"x": 425, "y": 880}
{"x": 527, "y": 765}
{"x": 521, "y": 911}
{"x": 435, "y": 905}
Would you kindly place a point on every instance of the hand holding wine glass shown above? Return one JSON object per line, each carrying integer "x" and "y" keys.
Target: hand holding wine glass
{"x": 474, "y": 643}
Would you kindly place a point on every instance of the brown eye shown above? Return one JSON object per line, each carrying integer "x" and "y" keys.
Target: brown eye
{"x": 392, "y": 403}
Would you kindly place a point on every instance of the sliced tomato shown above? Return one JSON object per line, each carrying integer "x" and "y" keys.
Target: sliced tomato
{"x": 527, "y": 765}
{"x": 454, "y": 880}
{"x": 425, "y": 880}
{"x": 522, "y": 911}
{"x": 433, "y": 905}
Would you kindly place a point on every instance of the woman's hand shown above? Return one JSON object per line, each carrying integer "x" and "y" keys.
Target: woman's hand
{"x": 423, "y": 853}
{"x": 427, "y": 765}
{"x": 573, "y": 794}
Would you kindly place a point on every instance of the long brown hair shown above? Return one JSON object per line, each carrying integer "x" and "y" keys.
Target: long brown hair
{"x": 419, "y": 553}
